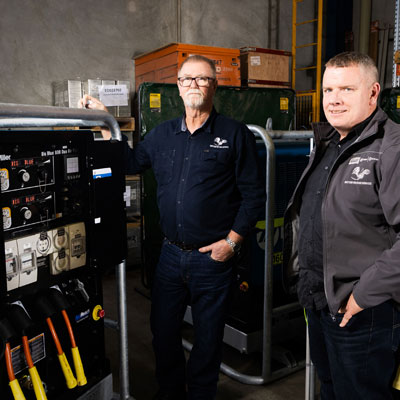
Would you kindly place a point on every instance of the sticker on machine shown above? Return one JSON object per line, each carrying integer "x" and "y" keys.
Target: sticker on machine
{"x": 102, "y": 173}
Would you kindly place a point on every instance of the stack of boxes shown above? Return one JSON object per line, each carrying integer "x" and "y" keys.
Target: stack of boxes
{"x": 248, "y": 66}
{"x": 162, "y": 65}
{"x": 67, "y": 93}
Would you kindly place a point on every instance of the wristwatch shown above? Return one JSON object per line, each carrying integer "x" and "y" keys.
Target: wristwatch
{"x": 234, "y": 246}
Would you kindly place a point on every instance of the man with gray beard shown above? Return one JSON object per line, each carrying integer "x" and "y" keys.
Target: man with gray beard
{"x": 210, "y": 195}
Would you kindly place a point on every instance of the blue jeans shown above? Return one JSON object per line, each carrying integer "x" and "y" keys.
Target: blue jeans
{"x": 181, "y": 278}
{"x": 357, "y": 361}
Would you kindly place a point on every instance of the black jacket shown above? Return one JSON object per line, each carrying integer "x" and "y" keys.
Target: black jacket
{"x": 360, "y": 217}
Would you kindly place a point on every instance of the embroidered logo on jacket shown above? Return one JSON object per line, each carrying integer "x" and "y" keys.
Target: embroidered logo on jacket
{"x": 357, "y": 175}
{"x": 358, "y": 160}
{"x": 219, "y": 143}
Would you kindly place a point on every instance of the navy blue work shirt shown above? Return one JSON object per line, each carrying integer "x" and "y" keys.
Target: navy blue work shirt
{"x": 208, "y": 182}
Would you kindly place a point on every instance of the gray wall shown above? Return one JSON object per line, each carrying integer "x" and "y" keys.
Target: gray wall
{"x": 42, "y": 41}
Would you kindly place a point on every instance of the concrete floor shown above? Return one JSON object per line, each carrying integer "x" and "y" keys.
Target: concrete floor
{"x": 141, "y": 360}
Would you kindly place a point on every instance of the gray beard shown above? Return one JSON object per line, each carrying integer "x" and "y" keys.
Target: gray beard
{"x": 195, "y": 102}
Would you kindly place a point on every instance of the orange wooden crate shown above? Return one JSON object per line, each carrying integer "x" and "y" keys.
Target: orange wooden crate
{"x": 161, "y": 65}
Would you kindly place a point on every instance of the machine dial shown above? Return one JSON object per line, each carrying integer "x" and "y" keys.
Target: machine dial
{"x": 26, "y": 213}
{"x": 24, "y": 175}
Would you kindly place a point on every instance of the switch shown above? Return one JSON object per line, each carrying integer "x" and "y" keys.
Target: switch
{"x": 77, "y": 245}
{"x": 12, "y": 264}
{"x": 27, "y": 260}
{"x": 98, "y": 313}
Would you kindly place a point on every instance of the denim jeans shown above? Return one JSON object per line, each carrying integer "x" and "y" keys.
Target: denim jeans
{"x": 356, "y": 362}
{"x": 181, "y": 278}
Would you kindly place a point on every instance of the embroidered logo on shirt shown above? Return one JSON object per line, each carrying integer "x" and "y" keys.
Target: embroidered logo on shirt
{"x": 219, "y": 143}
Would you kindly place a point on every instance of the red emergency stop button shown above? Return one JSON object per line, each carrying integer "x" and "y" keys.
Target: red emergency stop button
{"x": 98, "y": 313}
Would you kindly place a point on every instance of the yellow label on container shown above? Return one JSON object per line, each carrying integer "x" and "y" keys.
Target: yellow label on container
{"x": 398, "y": 102}
{"x": 155, "y": 100}
{"x": 277, "y": 223}
{"x": 284, "y": 103}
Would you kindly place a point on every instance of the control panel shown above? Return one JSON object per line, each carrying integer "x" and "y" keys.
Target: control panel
{"x": 61, "y": 223}
{"x": 45, "y": 200}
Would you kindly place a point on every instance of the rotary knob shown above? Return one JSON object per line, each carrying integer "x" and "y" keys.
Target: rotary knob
{"x": 24, "y": 175}
{"x": 26, "y": 213}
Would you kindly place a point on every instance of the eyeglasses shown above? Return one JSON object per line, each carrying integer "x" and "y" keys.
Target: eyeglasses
{"x": 186, "y": 81}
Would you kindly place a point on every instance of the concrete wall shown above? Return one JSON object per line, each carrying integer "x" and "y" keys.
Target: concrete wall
{"x": 42, "y": 41}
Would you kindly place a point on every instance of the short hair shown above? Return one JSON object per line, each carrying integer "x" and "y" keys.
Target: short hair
{"x": 353, "y": 58}
{"x": 199, "y": 58}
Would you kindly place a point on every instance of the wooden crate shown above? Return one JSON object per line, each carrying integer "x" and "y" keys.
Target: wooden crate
{"x": 265, "y": 67}
{"x": 162, "y": 65}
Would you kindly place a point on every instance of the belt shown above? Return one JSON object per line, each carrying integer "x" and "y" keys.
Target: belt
{"x": 186, "y": 247}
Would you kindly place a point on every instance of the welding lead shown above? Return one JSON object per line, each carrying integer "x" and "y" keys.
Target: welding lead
{"x": 6, "y": 333}
{"x": 61, "y": 302}
{"x": 80, "y": 373}
{"x": 14, "y": 384}
{"x": 46, "y": 309}
{"x": 66, "y": 369}
{"x": 36, "y": 381}
{"x": 21, "y": 321}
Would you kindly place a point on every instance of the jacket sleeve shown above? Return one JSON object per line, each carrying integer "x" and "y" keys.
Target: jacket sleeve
{"x": 250, "y": 184}
{"x": 381, "y": 281}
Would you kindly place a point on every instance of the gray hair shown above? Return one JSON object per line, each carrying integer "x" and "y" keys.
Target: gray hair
{"x": 199, "y": 58}
{"x": 352, "y": 58}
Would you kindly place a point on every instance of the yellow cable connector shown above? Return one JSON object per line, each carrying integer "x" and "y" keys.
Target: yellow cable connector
{"x": 16, "y": 390}
{"x": 70, "y": 379}
{"x": 37, "y": 384}
{"x": 80, "y": 373}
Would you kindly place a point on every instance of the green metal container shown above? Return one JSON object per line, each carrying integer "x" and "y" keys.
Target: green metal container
{"x": 158, "y": 102}
{"x": 390, "y": 103}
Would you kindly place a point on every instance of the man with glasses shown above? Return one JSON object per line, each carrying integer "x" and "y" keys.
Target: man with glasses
{"x": 210, "y": 196}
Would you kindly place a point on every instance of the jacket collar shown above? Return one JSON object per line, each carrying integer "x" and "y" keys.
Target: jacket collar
{"x": 324, "y": 131}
